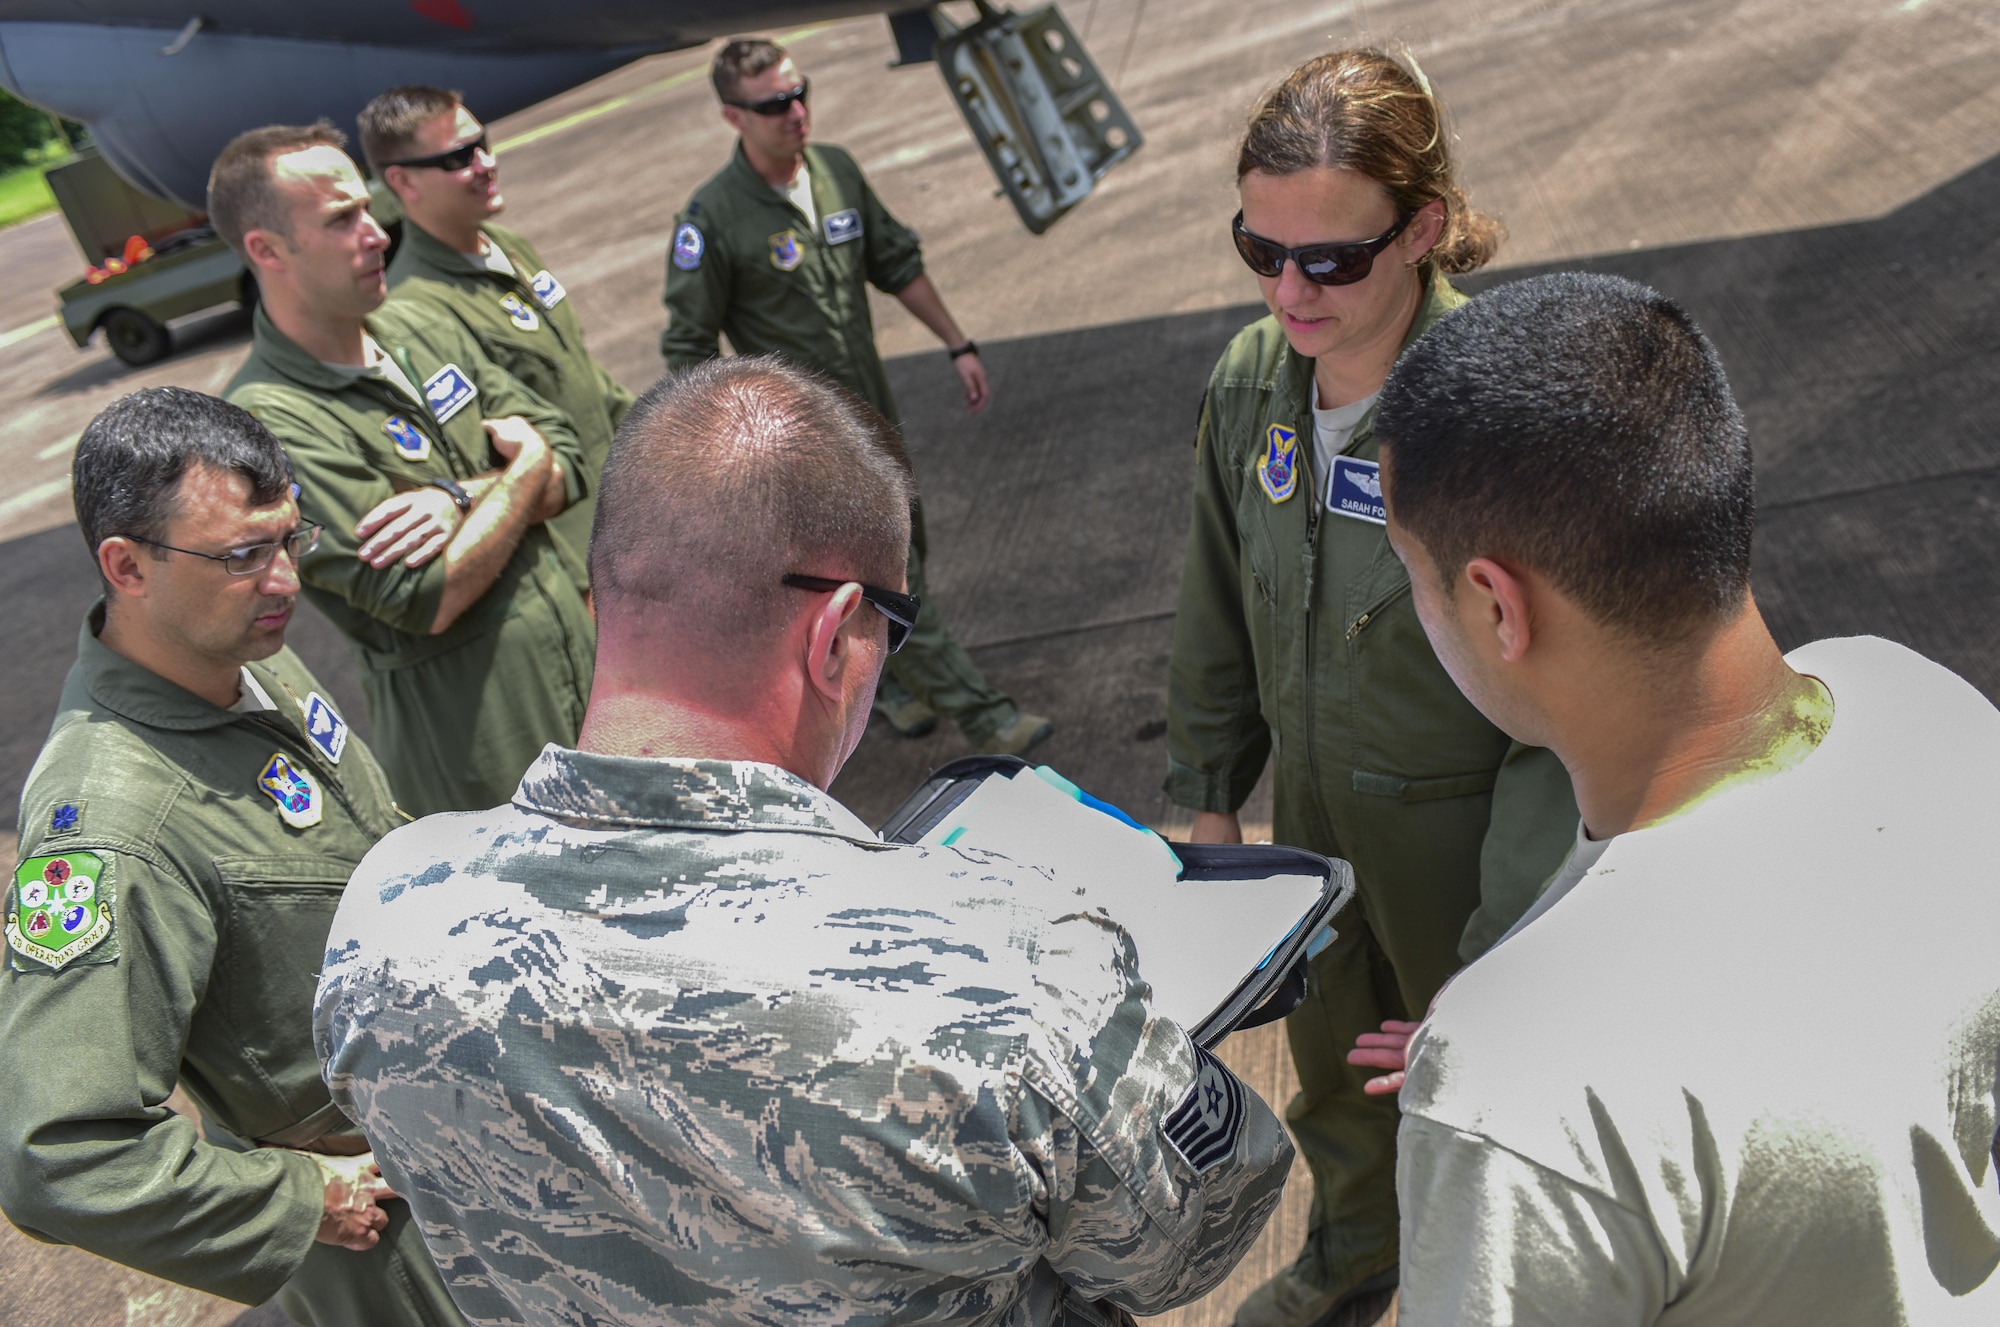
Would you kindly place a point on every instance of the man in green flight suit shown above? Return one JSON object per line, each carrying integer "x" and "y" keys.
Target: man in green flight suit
{"x": 185, "y": 836}
{"x": 777, "y": 250}
{"x": 432, "y": 470}
{"x": 432, "y": 153}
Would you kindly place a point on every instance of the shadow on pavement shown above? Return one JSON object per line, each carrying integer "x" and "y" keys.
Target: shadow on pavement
{"x": 230, "y": 327}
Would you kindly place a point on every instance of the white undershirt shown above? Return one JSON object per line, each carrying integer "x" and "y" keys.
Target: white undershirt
{"x": 376, "y": 361}
{"x": 1583, "y": 855}
{"x": 800, "y": 193}
{"x": 1333, "y": 430}
{"x": 251, "y": 697}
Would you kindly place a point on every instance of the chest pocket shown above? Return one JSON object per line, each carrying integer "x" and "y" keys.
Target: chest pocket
{"x": 280, "y": 909}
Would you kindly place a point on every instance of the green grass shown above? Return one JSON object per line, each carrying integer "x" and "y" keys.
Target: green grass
{"x": 23, "y": 194}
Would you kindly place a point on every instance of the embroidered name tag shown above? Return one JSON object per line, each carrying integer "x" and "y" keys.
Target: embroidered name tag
{"x": 549, "y": 292}
{"x": 448, "y": 390}
{"x": 840, "y": 227}
{"x": 325, "y": 727}
{"x": 1355, "y": 489}
{"x": 1204, "y": 1126}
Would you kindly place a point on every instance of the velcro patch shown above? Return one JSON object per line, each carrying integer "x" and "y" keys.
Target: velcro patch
{"x": 324, "y": 726}
{"x": 411, "y": 442}
{"x": 59, "y": 910}
{"x": 448, "y": 390}
{"x": 841, "y": 227}
{"x": 518, "y": 311}
{"x": 1355, "y": 489}
{"x": 688, "y": 247}
{"x": 1203, "y": 1128}
{"x": 549, "y": 292}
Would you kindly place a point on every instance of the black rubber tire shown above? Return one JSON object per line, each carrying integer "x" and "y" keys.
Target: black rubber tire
{"x": 135, "y": 337}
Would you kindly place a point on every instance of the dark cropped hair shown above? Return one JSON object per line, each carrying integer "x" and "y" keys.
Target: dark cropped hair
{"x": 390, "y": 122}
{"x": 729, "y": 475}
{"x": 1580, "y": 425}
{"x": 129, "y": 463}
{"x": 741, "y": 58}
{"x": 242, "y": 196}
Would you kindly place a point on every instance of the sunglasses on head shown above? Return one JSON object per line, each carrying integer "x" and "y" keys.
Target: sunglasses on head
{"x": 457, "y": 159}
{"x": 777, "y": 105}
{"x": 900, "y": 609}
{"x": 1322, "y": 264}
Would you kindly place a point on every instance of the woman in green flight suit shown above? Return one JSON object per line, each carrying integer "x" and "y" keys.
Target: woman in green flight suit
{"x": 1296, "y": 640}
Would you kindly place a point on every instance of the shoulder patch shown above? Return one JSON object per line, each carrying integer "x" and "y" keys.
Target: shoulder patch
{"x": 786, "y": 252}
{"x": 840, "y": 227}
{"x": 411, "y": 444}
{"x": 448, "y": 391}
{"x": 60, "y": 910}
{"x": 689, "y": 246}
{"x": 549, "y": 292}
{"x": 517, "y": 309}
{"x": 1203, "y": 1128}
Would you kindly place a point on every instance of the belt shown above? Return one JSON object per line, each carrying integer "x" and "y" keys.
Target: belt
{"x": 322, "y": 1131}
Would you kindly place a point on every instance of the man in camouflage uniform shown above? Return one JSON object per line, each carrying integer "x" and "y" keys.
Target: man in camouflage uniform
{"x": 426, "y": 147}
{"x": 431, "y": 469}
{"x": 186, "y": 834}
{"x": 777, "y": 250}
{"x": 677, "y": 1038}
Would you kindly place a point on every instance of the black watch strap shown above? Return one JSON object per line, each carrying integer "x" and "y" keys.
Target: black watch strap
{"x": 457, "y": 491}
{"x": 969, "y": 348}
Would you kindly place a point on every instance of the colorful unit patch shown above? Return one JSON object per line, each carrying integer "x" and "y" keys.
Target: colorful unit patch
{"x": 411, "y": 444}
{"x": 448, "y": 391}
{"x": 1279, "y": 471}
{"x": 549, "y": 292}
{"x": 517, "y": 308}
{"x": 1204, "y": 1126}
{"x": 59, "y": 913}
{"x": 325, "y": 727}
{"x": 1355, "y": 489}
{"x": 785, "y": 251}
{"x": 688, "y": 247}
{"x": 840, "y": 227}
{"x": 295, "y": 793}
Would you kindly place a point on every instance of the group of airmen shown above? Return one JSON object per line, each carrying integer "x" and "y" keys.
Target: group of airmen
{"x": 654, "y": 1030}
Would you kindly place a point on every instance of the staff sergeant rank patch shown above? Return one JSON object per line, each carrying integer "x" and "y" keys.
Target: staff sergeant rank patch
{"x": 549, "y": 292}
{"x": 517, "y": 308}
{"x": 688, "y": 247}
{"x": 1278, "y": 473}
{"x": 1204, "y": 1126}
{"x": 448, "y": 391}
{"x": 841, "y": 227}
{"x": 59, "y": 912}
{"x": 785, "y": 251}
{"x": 411, "y": 444}
{"x": 1355, "y": 489}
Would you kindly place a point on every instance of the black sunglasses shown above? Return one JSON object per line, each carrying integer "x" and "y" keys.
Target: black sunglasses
{"x": 248, "y": 561}
{"x": 900, "y": 609}
{"x": 457, "y": 159}
{"x": 777, "y": 105}
{"x": 1322, "y": 264}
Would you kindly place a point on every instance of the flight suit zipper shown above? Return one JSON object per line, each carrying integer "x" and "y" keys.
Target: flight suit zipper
{"x": 1311, "y": 557}
{"x": 1360, "y": 624}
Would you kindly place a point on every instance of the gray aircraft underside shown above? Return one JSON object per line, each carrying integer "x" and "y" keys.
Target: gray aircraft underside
{"x": 163, "y": 87}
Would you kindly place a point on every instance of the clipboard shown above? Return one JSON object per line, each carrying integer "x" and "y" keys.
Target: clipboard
{"x": 1268, "y": 992}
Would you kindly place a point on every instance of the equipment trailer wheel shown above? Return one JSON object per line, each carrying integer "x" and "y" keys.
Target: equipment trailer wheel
{"x": 135, "y": 337}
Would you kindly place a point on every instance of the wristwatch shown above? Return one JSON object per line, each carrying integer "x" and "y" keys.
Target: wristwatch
{"x": 457, "y": 491}
{"x": 969, "y": 348}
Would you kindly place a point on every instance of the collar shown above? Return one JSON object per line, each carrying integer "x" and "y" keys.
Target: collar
{"x": 745, "y": 179}
{"x": 433, "y": 252}
{"x": 585, "y": 788}
{"x": 1440, "y": 298}
{"x": 286, "y": 357}
{"x": 135, "y": 692}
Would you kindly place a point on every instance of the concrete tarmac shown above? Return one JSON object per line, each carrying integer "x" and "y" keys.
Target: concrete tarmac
{"x": 1815, "y": 182}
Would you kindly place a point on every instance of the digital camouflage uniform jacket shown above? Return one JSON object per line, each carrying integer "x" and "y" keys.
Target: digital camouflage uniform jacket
{"x": 747, "y": 263}
{"x": 526, "y": 324}
{"x": 217, "y": 920}
{"x": 1296, "y": 640}
{"x": 458, "y": 715}
{"x": 684, "y": 1041}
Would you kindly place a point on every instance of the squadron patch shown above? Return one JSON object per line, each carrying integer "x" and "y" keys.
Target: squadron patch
{"x": 1204, "y": 1126}
{"x": 411, "y": 443}
{"x": 325, "y": 728}
{"x": 59, "y": 913}
{"x": 785, "y": 251}
{"x": 549, "y": 292}
{"x": 297, "y": 796}
{"x": 524, "y": 317}
{"x": 1278, "y": 473}
{"x": 1355, "y": 489}
{"x": 840, "y": 227}
{"x": 448, "y": 391}
{"x": 688, "y": 247}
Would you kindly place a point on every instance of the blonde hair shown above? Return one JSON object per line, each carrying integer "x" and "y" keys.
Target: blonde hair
{"x": 1364, "y": 111}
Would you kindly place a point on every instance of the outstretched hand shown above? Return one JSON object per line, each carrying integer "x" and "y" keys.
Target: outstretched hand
{"x": 1388, "y": 1049}
{"x": 353, "y": 1217}
{"x": 973, "y": 375}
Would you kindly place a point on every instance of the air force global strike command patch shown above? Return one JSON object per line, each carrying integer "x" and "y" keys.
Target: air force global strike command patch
{"x": 1203, "y": 1128}
{"x": 411, "y": 444}
{"x": 549, "y": 292}
{"x": 785, "y": 251}
{"x": 841, "y": 227}
{"x": 517, "y": 309}
{"x": 448, "y": 391}
{"x": 1355, "y": 489}
{"x": 297, "y": 796}
{"x": 59, "y": 911}
{"x": 1278, "y": 473}
{"x": 688, "y": 247}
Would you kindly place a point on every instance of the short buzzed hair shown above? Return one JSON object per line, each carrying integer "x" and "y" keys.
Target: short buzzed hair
{"x": 728, "y": 476}
{"x": 243, "y": 196}
{"x": 130, "y": 461}
{"x": 1583, "y": 426}
{"x": 389, "y": 124}
{"x": 741, "y": 58}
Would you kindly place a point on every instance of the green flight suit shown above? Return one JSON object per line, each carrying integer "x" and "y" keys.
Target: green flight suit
{"x": 216, "y": 914}
{"x": 1296, "y": 640}
{"x": 525, "y": 324}
{"x": 458, "y": 715}
{"x": 746, "y": 262}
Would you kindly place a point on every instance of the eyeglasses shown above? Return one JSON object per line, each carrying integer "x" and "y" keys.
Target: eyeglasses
{"x": 1322, "y": 264}
{"x": 777, "y": 105}
{"x": 248, "y": 561}
{"x": 457, "y": 159}
{"x": 900, "y": 609}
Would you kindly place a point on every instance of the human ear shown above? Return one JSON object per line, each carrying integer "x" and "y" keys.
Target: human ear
{"x": 1426, "y": 228}
{"x": 733, "y": 118}
{"x": 1499, "y": 599}
{"x": 263, "y": 250}
{"x": 829, "y": 650}
{"x": 123, "y": 569}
